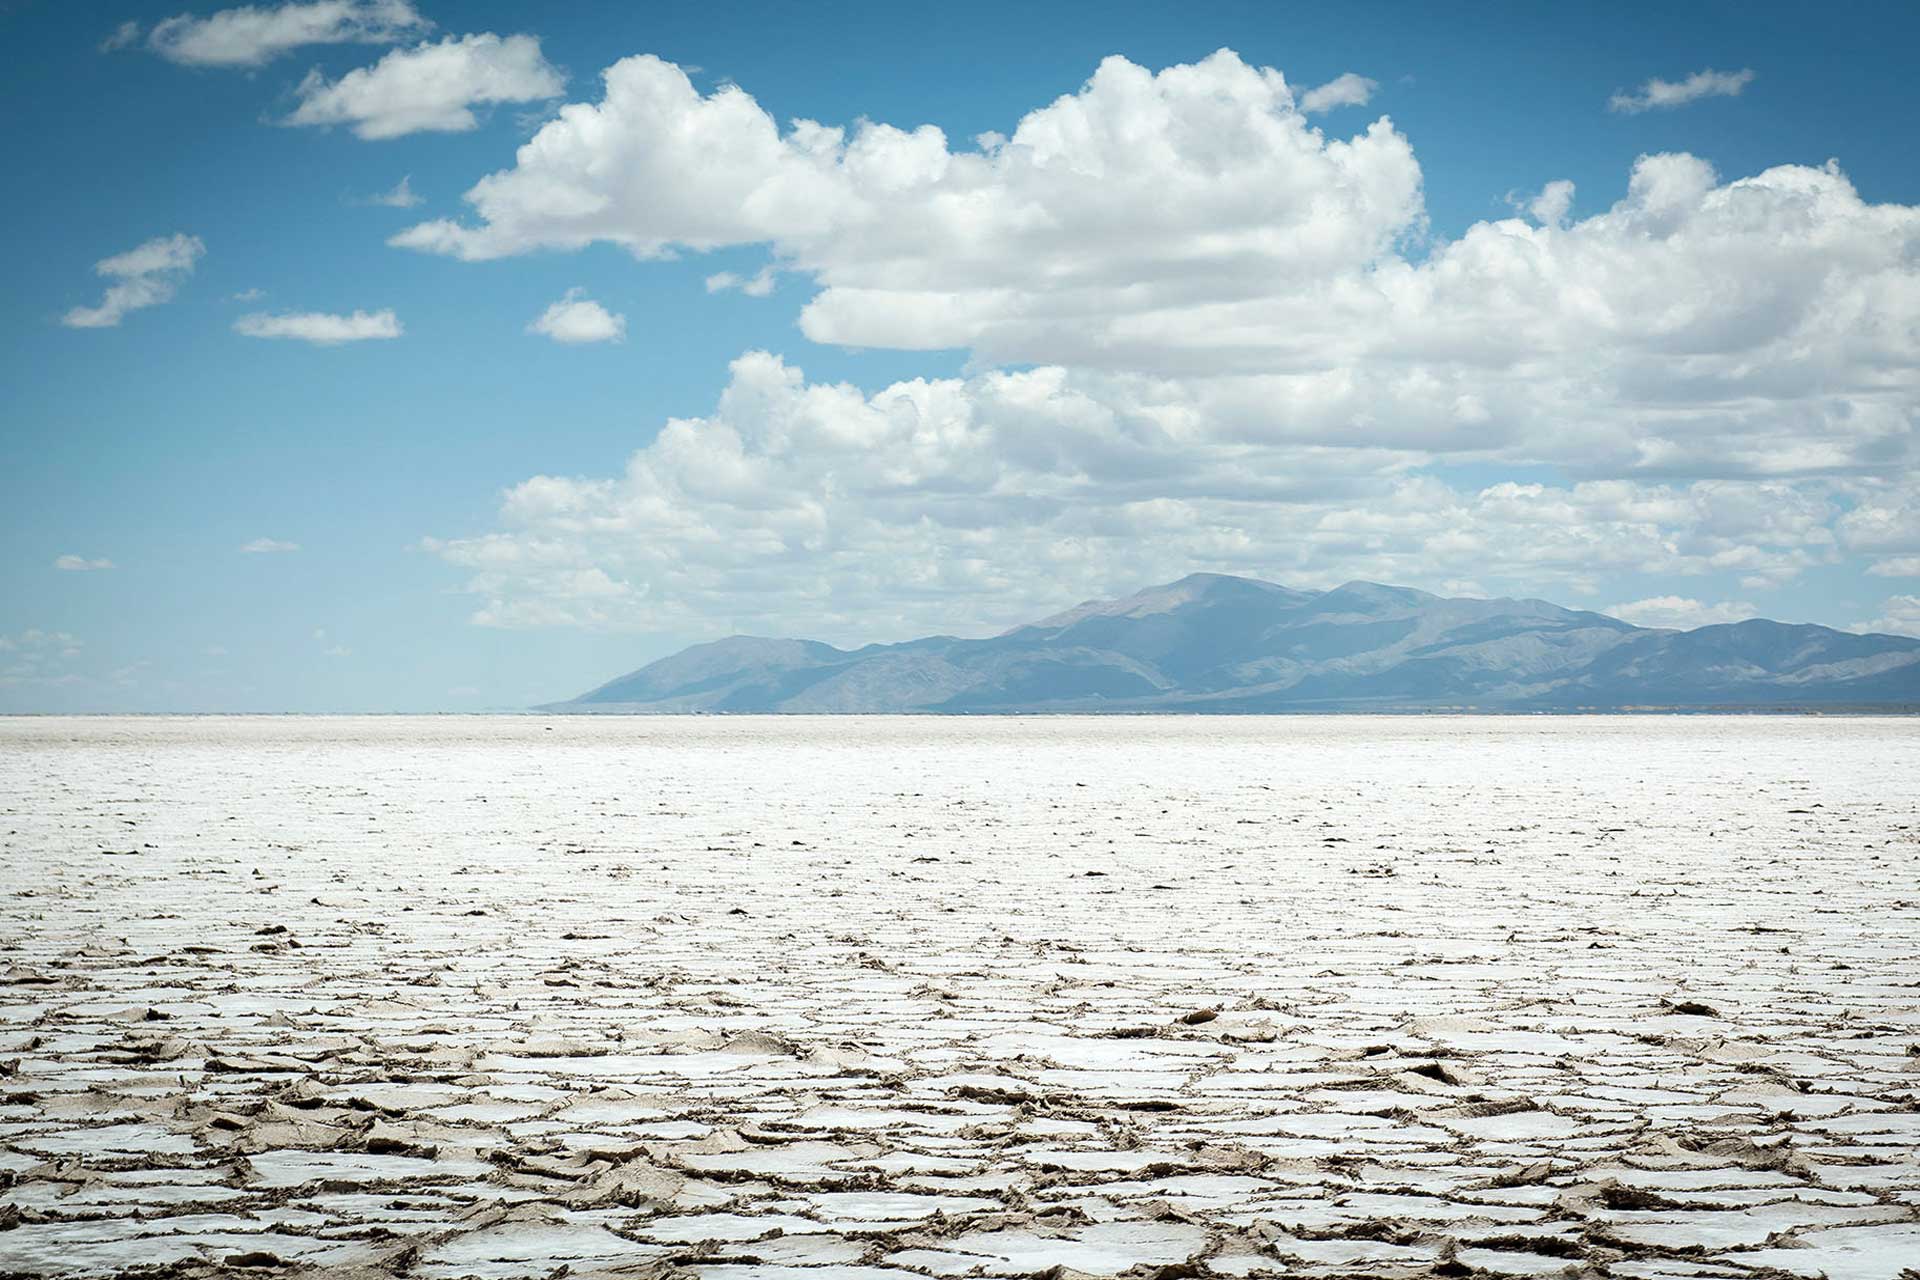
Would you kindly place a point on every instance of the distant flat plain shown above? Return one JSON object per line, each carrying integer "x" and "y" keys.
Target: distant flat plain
{"x": 891, "y": 997}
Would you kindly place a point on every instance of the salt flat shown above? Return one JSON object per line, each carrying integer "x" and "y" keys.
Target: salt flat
{"x": 949, "y": 997}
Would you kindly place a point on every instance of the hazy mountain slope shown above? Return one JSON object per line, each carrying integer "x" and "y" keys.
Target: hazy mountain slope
{"x": 1757, "y": 663}
{"x": 707, "y": 675}
{"x": 1210, "y": 642}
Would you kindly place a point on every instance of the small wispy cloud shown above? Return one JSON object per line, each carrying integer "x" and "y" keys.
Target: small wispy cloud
{"x": 124, "y": 36}
{"x": 320, "y": 328}
{"x": 1896, "y": 567}
{"x": 577, "y": 318}
{"x": 402, "y": 196}
{"x": 1550, "y": 207}
{"x": 1348, "y": 90}
{"x": 131, "y": 673}
{"x": 328, "y": 646}
{"x": 64, "y": 643}
{"x": 1660, "y": 95}
{"x": 38, "y": 658}
{"x": 145, "y": 276}
{"x": 81, "y": 564}
{"x": 251, "y": 36}
{"x": 1681, "y": 612}
{"x": 430, "y": 88}
{"x": 758, "y": 285}
{"x": 1899, "y": 616}
{"x": 268, "y": 546}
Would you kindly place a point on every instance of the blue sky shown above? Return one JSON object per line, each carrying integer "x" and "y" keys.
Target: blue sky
{"x": 1174, "y": 322}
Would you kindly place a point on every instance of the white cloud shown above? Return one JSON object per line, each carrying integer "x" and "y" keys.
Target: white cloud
{"x": 247, "y": 295}
{"x": 1884, "y": 524}
{"x": 430, "y": 87}
{"x": 253, "y": 35}
{"x": 130, "y": 674}
{"x": 145, "y": 276}
{"x": 268, "y": 546}
{"x": 38, "y": 657}
{"x": 402, "y": 196}
{"x": 1239, "y": 349}
{"x": 814, "y": 508}
{"x": 124, "y": 36}
{"x": 1199, "y": 179}
{"x": 34, "y": 638}
{"x": 1190, "y": 224}
{"x": 319, "y": 327}
{"x": 1899, "y": 615}
{"x": 81, "y": 564}
{"x": 1658, "y": 94}
{"x": 579, "y": 319}
{"x": 1885, "y": 519}
{"x": 1348, "y": 90}
{"x": 1681, "y": 613}
{"x": 758, "y": 285}
{"x": 1551, "y": 206}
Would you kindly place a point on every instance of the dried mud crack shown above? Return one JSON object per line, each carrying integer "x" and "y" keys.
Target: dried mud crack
{"x": 877, "y": 999}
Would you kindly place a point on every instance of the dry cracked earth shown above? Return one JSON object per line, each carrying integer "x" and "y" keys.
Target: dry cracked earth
{"x": 876, "y": 998}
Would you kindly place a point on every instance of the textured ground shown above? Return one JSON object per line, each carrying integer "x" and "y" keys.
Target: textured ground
{"x": 891, "y": 998}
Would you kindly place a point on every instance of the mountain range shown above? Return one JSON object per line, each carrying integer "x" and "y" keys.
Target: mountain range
{"x": 1214, "y": 643}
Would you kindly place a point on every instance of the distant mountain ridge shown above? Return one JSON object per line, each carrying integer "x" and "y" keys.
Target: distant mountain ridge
{"x": 1214, "y": 643}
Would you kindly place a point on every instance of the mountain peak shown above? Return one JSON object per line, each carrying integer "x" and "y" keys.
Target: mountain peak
{"x": 1376, "y": 592}
{"x": 1166, "y": 598}
{"x": 1213, "y": 642}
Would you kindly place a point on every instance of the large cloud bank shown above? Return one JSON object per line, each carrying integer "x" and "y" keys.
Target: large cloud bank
{"x": 1209, "y": 335}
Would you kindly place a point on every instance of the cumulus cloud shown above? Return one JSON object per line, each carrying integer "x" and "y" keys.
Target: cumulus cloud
{"x": 268, "y": 546}
{"x": 1899, "y": 616}
{"x": 818, "y": 508}
{"x": 1238, "y": 349}
{"x": 252, "y": 36}
{"x": 577, "y": 318}
{"x": 430, "y": 88}
{"x": 145, "y": 276}
{"x": 319, "y": 327}
{"x": 81, "y": 564}
{"x": 1348, "y": 90}
{"x": 1885, "y": 522}
{"x": 1141, "y": 190}
{"x": 1658, "y": 94}
{"x": 1682, "y": 613}
{"x": 1190, "y": 223}
{"x": 256, "y": 35}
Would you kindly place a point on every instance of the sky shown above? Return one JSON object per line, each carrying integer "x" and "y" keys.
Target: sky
{"x": 377, "y": 355}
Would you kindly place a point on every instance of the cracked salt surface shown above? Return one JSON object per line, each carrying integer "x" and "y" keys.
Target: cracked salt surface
{"x": 775, "y": 999}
